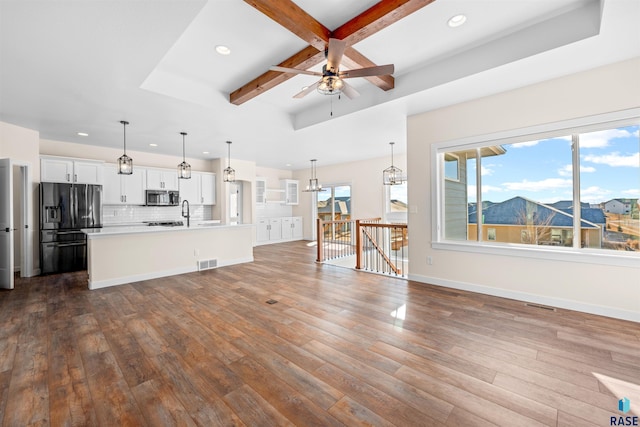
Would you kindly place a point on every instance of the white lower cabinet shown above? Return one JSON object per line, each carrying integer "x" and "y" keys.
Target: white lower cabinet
{"x": 292, "y": 228}
{"x": 276, "y": 230}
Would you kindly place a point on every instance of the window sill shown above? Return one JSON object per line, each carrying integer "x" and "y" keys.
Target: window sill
{"x": 589, "y": 256}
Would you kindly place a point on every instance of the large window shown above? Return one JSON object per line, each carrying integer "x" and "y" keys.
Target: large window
{"x": 525, "y": 191}
{"x": 334, "y": 204}
{"x": 396, "y": 203}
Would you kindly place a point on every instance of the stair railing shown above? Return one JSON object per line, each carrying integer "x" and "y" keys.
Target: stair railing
{"x": 382, "y": 248}
{"x": 337, "y": 239}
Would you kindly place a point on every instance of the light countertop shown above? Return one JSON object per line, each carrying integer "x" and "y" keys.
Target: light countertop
{"x": 134, "y": 229}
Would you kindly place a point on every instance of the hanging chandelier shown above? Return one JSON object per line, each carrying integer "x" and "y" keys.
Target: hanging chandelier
{"x": 184, "y": 168}
{"x": 125, "y": 163}
{"x": 314, "y": 185}
{"x": 229, "y": 174}
{"x": 392, "y": 175}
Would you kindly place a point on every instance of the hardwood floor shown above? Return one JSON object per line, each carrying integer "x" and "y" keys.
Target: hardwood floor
{"x": 338, "y": 348}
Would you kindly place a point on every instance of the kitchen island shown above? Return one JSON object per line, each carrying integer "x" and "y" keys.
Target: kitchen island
{"x": 119, "y": 255}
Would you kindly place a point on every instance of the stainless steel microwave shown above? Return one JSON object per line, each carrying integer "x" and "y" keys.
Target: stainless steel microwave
{"x": 162, "y": 198}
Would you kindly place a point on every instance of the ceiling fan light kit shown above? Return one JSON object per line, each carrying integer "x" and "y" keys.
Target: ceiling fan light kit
{"x": 332, "y": 80}
{"x": 125, "y": 163}
{"x": 392, "y": 175}
{"x": 184, "y": 168}
{"x": 228, "y": 174}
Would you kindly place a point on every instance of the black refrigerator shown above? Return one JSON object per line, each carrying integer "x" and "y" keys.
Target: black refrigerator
{"x": 64, "y": 210}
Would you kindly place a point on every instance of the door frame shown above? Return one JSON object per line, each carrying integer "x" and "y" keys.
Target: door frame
{"x": 26, "y": 215}
{"x": 7, "y": 261}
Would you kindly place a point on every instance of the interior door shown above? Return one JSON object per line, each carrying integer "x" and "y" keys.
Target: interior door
{"x": 6, "y": 224}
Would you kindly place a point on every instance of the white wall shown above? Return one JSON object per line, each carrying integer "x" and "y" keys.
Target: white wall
{"x": 601, "y": 289}
{"x": 22, "y": 146}
{"x": 367, "y": 190}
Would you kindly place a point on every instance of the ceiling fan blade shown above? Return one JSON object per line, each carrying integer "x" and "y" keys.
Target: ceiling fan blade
{"x": 306, "y": 91}
{"x": 349, "y": 91}
{"x": 294, "y": 70}
{"x": 334, "y": 54}
{"x": 378, "y": 70}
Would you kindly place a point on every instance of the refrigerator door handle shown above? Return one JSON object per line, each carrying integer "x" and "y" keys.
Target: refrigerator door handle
{"x": 74, "y": 197}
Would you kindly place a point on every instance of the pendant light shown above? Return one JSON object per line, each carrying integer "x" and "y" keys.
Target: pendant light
{"x": 125, "y": 163}
{"x": 313, "y": 181}
{"x": 229, "y": 175}
{"x": 184, "y": 168}
{"x": 392, "y": 175}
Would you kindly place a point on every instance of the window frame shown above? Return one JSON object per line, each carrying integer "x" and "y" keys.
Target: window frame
{"x": 543, "y": 131}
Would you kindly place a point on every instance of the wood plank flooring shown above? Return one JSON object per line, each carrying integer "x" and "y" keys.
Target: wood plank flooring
{"x": 339, "y": 347}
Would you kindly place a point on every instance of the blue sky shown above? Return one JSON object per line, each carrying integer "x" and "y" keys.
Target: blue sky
{"x": 541, "y": 170}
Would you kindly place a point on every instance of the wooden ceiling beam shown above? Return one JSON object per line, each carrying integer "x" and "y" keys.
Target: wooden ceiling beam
{"x": 307, "y": 58}
{"x": 292, "y": 17}
{"x": 377, "y": 17}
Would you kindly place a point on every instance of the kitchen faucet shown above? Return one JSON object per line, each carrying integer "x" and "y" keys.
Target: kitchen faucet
{"x": 187, "y": 214}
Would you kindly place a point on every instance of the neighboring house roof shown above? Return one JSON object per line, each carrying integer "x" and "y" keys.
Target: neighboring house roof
{"x": 566, "y": 204}
{"x": 595, "y": 215}
{"x": 513, "y": 212}
{"x": 397, "y": 205}
{"x": 342, "y": 205}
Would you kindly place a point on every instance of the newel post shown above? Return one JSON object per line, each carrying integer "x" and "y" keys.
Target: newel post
{"x": 358, "y": 245}
{"x": 319, "y": 235}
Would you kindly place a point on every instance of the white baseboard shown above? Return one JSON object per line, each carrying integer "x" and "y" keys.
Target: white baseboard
{"x": 526, "y": 297}
{"x": 157, "y": 274}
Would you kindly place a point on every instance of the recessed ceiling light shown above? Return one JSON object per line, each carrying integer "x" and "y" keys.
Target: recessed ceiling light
{"x": 288, "y": 165}
{"x": 223, "y": 50}
{"x": 83, "y": 134}
{"x": 457, "y": 20}
{"x": 153, "y": 145}
{"x": 205, "y": 152}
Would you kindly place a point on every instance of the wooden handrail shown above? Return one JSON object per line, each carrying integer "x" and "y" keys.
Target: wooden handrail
{"x": 363, "y": 231}
{"x": 382, "y": 254}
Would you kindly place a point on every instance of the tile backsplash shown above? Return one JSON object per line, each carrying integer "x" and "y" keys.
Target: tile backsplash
{"x": 118, "y": 214}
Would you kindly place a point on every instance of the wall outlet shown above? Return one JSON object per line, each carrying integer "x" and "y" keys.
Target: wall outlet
{"x": 429, "y": 260}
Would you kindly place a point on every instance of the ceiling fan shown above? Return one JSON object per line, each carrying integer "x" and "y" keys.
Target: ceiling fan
{"x": 331, "y": 81}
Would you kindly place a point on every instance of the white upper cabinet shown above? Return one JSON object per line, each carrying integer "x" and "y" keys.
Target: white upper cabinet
{"x": 200, "y": 189}
{"x": 59, "y": 169}
{"x": 190, "y": 189}
{"x": 123, "y": 189}
{"x": 162, "y": 179}
{"x": 208, "y": 188}
{"x": 261, "y": 191}
{"x": 290, "y": 187}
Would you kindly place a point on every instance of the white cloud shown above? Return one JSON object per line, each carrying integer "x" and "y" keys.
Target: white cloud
{"x": 544, "y": 185}
{"x": 632, "y": 193}
{"x": 490, "y": 189}
{"x": 524, "y": 144}
{"x": 615, "y": 159}
{"x": 567, "y": 170}
{"x": 485, "y": 171}
{"x": 601, "y": 138}
{"x": 594, "y": 194}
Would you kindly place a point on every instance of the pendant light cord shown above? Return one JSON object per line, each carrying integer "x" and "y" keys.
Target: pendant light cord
{"x": 124, "y": 134}
{"x": 183, "y": 157}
